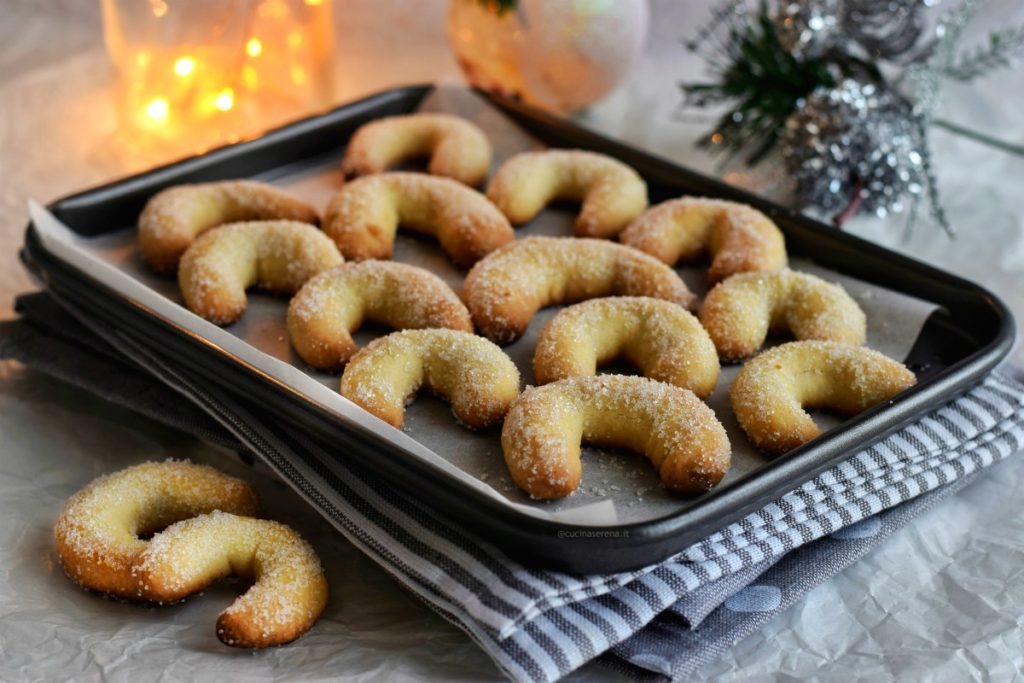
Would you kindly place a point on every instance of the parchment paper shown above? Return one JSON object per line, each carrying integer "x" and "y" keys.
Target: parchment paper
{"x": 617, "y": 487}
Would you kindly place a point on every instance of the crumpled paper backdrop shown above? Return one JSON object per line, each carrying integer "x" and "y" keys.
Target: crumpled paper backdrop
{"x": 941, "y": 600}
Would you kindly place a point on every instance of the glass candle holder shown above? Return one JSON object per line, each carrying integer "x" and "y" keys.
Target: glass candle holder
{"x": 195, "y": 73}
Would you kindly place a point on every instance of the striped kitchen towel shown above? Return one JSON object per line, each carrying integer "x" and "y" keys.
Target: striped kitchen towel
{"x": 540, "y": 625}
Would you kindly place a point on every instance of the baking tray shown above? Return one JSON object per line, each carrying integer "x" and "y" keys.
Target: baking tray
{"x": 965, "y": 337}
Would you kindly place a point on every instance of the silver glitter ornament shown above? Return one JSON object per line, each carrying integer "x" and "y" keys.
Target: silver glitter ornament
{"x": 885, "y": 29}
{"x": 875, "y": 29}
{"x": 808, "y": 29}
{"x": 852, "y": 149}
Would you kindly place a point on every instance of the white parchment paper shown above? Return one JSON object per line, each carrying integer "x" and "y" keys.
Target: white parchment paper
{"x": 617, "y": 487}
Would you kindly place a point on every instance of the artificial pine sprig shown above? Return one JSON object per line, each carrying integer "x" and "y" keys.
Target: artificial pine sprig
{"x": 765, "y": 82}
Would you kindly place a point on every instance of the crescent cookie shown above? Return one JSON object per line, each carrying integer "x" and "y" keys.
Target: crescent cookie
{"x": 504, "y": 290}
{"x": 174, "y": 217}
{"x": 289, "y": 591}
{"x": 332, "y": 305}
{"x": 98, "y": 532}
{"x": 772, "y": 390}
{"x": 738, "y": 237}
{"x": 277, "y": 256}
{"x": 473, "y": 374}
{"x": 457, "y": 148}
{"x": 545, "y": 427}
{"x": 365, "y": 214}
{"x": 612, "y": 193}
{"x": 664, "y": 340}
{"x": 739, "y": 312}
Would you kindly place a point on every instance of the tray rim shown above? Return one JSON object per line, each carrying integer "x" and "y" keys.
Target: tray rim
{"x": 839, "y": 440}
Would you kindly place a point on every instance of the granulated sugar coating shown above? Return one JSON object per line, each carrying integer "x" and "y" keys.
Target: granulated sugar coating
{"x": 473, "y": 374}
{"x": 457, "y": 148}
{"x": 504, "y": 290}
{"x": 664, "y": 340}
{"x": 771, "y": 390}
{"x": 289, "y": 591}
{"x": 738, "y": 237}
{"x": 612, "y": 193}
{"x": 363, "y": 217}
{"x": 98, "y": 531}
{"x": 277, "y": 256}
{"x": 546, "y": 425}
{"x": 335, "y": 303}
{"x": 740, "y": 312}
{"x": 173, "y": 218}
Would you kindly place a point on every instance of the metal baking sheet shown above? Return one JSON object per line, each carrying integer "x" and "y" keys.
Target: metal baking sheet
{"x": 617, "y": 488}
{"x": 611, "y": 529}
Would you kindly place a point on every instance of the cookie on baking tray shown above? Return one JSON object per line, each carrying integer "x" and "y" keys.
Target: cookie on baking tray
{"x": 457, "y": 148}
{"x": 739, "y": 238}
{"x": 471, "y": 373}
{"x": 741, "y": 310}
{"x": 365, "y": 214}
{"x": 335, "y": 303}
{"x": 276, "y": 256}
{"x": 504, "y": 290}
{"x": 612, "y": 194}
{"x": 173, "y": 218}
{"x": 772, "y": 391}
{"x": 546, "y": 426}
{"x": 664, "y": 340}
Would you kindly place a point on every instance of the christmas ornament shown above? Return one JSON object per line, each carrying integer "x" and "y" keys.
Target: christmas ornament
{"x": 558, "y": 55}
{"x": 853, "y": 148}
{"x": 845, "y": 90}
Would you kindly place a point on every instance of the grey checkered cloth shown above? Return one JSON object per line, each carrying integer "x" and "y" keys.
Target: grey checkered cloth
{"x": 666, "y": 619}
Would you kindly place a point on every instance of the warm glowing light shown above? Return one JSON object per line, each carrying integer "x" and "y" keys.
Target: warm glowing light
{"x": 184, "y": 66}
{"x": 225, "y": 99}
{"x": 717, "y": 138}
{"x": 158, "y": 109}
{"x": 250, "y": 77}
{"x": 191, "y": 83}
{"x": 273, "y": 9}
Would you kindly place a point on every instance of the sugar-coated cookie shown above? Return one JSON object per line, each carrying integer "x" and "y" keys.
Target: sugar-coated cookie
{"x": 332, "y": 305}
{"x": 738, "y": 237}
{"x": 740, "y": 311}
{"x": 289, "y": 590}
{"x": 173, "y": 218}
{"x": 457, "y": 148}
{"x": 678, "y": 433}
{"x": 364, "y": 216}
{"x": 504, "y": 290}
{"x": 772, "y": 391}
{"x": 611, "y": 192}
{"x": 664, "y": 340}
{"x": 473, "y": 374}
{"x": 98, "y": 532}
{"x": 276, "y": 256}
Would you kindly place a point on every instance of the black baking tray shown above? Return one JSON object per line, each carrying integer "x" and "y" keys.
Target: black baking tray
{"x": 961, "y": 341}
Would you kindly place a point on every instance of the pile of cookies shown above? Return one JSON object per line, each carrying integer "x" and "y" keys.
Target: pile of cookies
{"x": 623, "y": 300}
{"x": 204, "y": 527}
